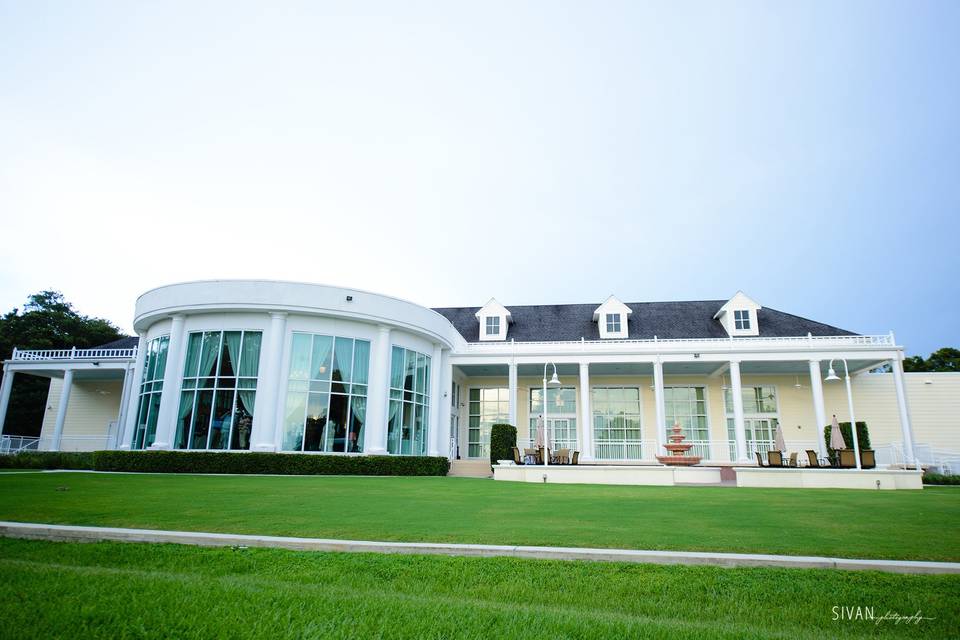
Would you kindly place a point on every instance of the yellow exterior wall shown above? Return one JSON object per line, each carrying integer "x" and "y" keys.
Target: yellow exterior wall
{"x": 93, "y": 405}
{"x": 934, "y": 408}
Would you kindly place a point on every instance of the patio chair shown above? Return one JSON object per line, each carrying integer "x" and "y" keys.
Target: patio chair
{"x": 562, "y": 456}
{"x": 847, "y": 459}
{"x": 812, "y": 459}
{"x": 759, "y": 459}
{"x": 774, "y": 458}
{"x": 531, "y": 456}
{"x": 793, "y": 460}
{"x": 868, "y": 459}
{"x": 576, "y": 458}
{"x": 516, "y": 456}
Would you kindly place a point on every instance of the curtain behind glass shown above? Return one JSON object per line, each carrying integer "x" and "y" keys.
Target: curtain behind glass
{"x": 193, "y": 355}
{"x": 208, "y": 361}
{"x": 231, "y": 354}
{"x": 184, "y": 417}
{"x": 361, "y": 361}
{"x": 250, "y": 356}
{"x": 396, "y": 368}
{"x": 320, "y": 364}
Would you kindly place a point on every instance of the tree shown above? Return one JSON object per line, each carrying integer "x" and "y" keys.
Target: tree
{"x": 47, "y": 321}
{"x": 944, "y": 359}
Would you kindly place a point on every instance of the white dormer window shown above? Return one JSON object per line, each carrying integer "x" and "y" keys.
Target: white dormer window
{"x": 611, "y": 318}
{"x": 494, "y": 321}
{"x": 741, "y": 319}
{"x": 739, "y": 316}
{"x": 613, "y": 323}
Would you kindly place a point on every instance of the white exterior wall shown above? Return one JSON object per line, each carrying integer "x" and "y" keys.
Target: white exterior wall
{"x": 93, "y": 405}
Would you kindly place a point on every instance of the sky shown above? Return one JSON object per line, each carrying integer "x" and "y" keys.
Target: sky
{"x": 807, "y": 153}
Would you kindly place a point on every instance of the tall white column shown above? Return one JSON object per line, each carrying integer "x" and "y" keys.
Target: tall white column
{"x": 660, "y": 408}
{"x": 375, "y": 427}
{"x": 125, "y": 390}
{"x": 446, "y": 386}
{"x": 170, "y": 396}
{"x": 5, "y": 389}
{"x": 586, "y": 419}
{"x": 820, "y": 414}
{"x": 905, "y": 426}
{"x": 266, "y": 433}
{"x": 436, "y": 373}
{"x": 738, "y": 426}
{"x": 62, "y": 409}
{"x": 133, "y": 402}
{"x": 512, "y": 392}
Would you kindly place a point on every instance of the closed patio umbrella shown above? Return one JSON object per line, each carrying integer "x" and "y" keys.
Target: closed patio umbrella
{"x": 836, "y": 437}
{"x": 539, "y": 438}
{"x": 778, "y": 442}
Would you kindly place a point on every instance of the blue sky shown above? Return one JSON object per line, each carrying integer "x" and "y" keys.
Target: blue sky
{"x": 806, "y": 153}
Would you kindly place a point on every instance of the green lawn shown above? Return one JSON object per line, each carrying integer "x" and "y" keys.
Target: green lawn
{"x": 111, "y": 590}
{"x": 870, "y": 524}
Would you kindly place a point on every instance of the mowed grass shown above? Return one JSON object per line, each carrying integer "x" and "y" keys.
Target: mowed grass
{"x": 112, "y": 590}
{"x": 867, "y": 524}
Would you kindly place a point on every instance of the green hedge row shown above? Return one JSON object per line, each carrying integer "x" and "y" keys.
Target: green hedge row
{"x": 940, "y": 478}
{"x": 230, "y": 462}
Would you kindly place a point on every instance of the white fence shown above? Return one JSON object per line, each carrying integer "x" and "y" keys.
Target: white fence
{"x": 16, "y": 444}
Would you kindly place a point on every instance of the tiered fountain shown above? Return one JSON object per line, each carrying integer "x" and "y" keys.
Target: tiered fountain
{"x": 678, "y": 451}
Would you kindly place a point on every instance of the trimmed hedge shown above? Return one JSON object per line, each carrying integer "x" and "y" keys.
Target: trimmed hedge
{"x": 503, "y": 438}
{"x": 863, "y": 435}
{"x": 940, "y": 478}
{"x": 48, "y": 460}
{"x": 231, "y": 462}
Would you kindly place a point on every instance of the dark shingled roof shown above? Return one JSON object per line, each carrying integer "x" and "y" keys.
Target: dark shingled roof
{"x": 126, "y": 342}
{"x": 692, "y": 319}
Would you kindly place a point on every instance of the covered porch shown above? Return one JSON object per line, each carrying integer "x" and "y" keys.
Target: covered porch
{"x": 615, "y": 409}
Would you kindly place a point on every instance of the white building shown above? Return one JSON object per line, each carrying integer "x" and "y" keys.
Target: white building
{"x": 279, "y": 366}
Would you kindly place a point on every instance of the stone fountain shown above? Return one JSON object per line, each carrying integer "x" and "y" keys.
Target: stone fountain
{"x": 678, "y": 451}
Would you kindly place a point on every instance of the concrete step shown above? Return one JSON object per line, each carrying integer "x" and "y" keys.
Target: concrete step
{"x": 470, "y": 469}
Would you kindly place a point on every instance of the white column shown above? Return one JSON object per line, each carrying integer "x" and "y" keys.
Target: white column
{"x": 124, "y": 404}
{"x": 905, "y": 426}
{"x": 512, "y": 386}
{"x": 434, "y": 447}
{"x": 586, "y": 419}
{"x": 170, "y": 396}
{"x": 660, "y": 408}
{"x": 820, "y": 414}
{"x": 738, "y": 426}
{"x": 446, "y": 386}
{"x": 62, "y": 409}
{"x": 266, "y": 433}
{"x": 375, "y": 428}
{"x": 133, "y": 402}
{"x": 5, "y": 389}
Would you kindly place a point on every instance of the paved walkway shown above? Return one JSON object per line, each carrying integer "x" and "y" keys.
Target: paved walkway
{"x": 92, "y": 534}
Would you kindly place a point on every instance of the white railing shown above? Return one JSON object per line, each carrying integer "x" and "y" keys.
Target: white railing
{"x": 16, "y": 444}
{"x": 708, "y": 344}
{"x": 937, "y": 460}
{"x": 73, "y": 354}
{"x": 624, "y": 449}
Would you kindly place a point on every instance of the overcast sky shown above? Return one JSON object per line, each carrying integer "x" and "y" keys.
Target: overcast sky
{"x": 807, "y": 153}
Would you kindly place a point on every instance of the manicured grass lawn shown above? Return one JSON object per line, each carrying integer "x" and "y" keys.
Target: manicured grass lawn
{"x": 110, "y": 590}
{"x": 871, "y": 524}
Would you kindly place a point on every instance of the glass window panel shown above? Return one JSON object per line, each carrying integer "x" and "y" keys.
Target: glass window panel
{"x": 193, "y": 355}
{"x": 337, "y": 427}
{"x": 208, "y": 354}
{"x": 250, "y": 354}
{"x": 154, "y": 410}
{"x": 358, "y": 413}
{"x": 227, "y": 383}
{"x": 230, "y": 353}
{"x": 396, "y": 368}
{"x": 189, "y": 384}
{"x": 243, "y": 420}
{"x": 321, "y": 361}
{"x": 361, "y": 361}
{"x": 201, "y": 420}
{"x": 410, "y": 370}
{"x": 342, "y": 363}
{"x": 222, "y": 419}
{"x": 394, "y": 428}
{"x": 317, "y": 386}
{"x": 247, "y": 383}
{"x": 184, "y": 419}
{"x": 316, "y": 423}
{"x": 293, "y": 421}
{"x": 300, "y": 357}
